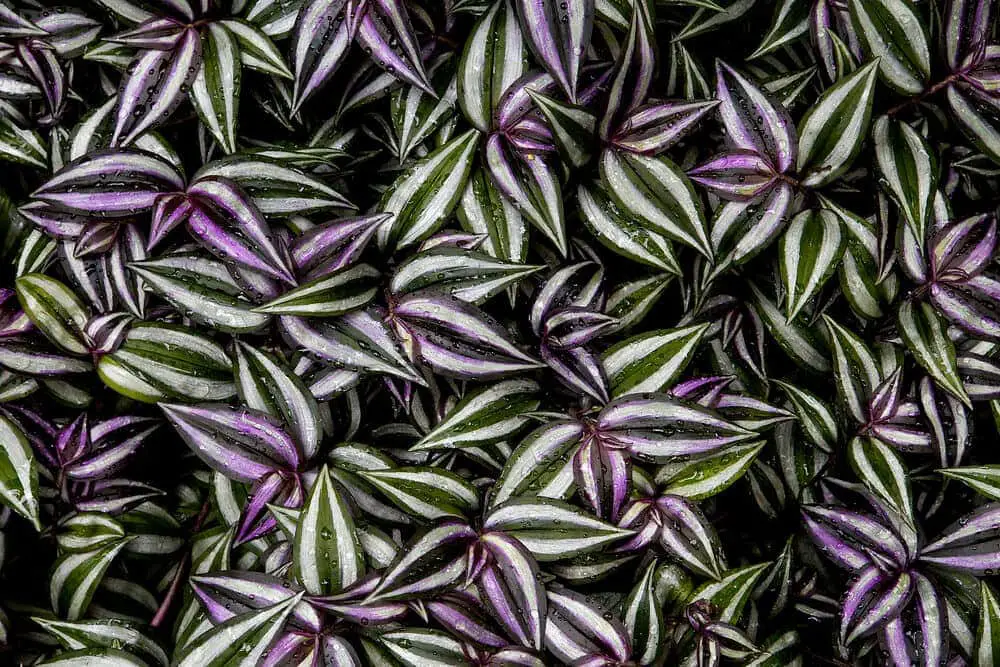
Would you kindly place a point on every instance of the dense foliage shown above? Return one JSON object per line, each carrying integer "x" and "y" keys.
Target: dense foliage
{"x": 499, "y": 332}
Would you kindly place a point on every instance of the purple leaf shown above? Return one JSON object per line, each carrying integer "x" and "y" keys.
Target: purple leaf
{"x": 736, "y": 176}
{"x": 558, "y": 34}
{"x": 874, "y": 599}
{"x": 753, "y": 120}
{"x": 323, "y": 34}
{"x": 634, "y": 70}
{"x": 576, "y": 629}
{"x": 847, "y": 537}
{"x": 510, "y": 582}
{"x": 386, "y": 33}
{"x": 334, "y": 245}
{"x": 456, "y": 338}
{"x": 603, "y": 475}
{"x": 654, "y": 128}
{"x": 966, "y": 30}
{"x": 970, "y": 545}
{"x": 434, "y": 561}
{"x": 155, "y": 86}
{"x": 242, "y": 444}
{"x": 229, "y": 593}
{"x": 226, "y": 221}
{"x": 110, "y": 183}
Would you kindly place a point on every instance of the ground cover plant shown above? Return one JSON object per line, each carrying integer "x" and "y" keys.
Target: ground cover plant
{"x": 499, "y": 332}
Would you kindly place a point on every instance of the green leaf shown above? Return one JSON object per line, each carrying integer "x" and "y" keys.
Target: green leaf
{"x": 708, "y": 475}
{"x": 815, "y": 418}
{"x": 633, "y": 300}
{"x": 856, "y": 372}
{"x": 572, "y": 127}
{"x": 798, "y": 342}
{"x": 834, "y": 128}
{"x": 89, "y": 657}
{"x": 75, "y": 577}
{"x": 984, "y": 479}
{"x": 881, "y": 469}
{"x": 340, "y": 292}
{"x": 859, "y": 272}
{"x": 18, "y": 472}
{"x": 421, "y": 199}
{"x": 424, "y": 647}
{"x": 88, "y": 531}
{"x": 215, "y": 92}
{"x": 203, "y": 289}
{"x": 624, "y": 233}
{"x": 651, "y": 361}
{"x": 55, "y": 309}
{"x": 326, "y": 550}
{"x": 730, "y": 594}
{"x": 166, "y": 362}
{"x": 105, "y": 633}
{"x": 909, "y": 169}
{"x": 978, "y": 114}
{"x": 493, "y": 58}
{"x": 893, "y": 32}
{"x": 809, "y": 252}
{"x": 644, "y": 619}
{"x": 242, "y": 640}
{"x": 654, "y": 189}
{"x": 20, "y": 145}
{"x": 483, "y": 210}
{"x": 987, "y": 647}
{"x": 926, "y": 336}
{"x": 256, "y": 49}
{"x": 551, "y": 529}
{"x": 541, "y": 465}
{"x": 416, "y": 115}
{"x": 486, "y": 416}
{"x": 789, "y": 23}
{"x": 428, "y": 493}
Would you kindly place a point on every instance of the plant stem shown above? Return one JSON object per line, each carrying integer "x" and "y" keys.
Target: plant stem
{"x": 175, "y": 584}
{"x": 940, "y": 85}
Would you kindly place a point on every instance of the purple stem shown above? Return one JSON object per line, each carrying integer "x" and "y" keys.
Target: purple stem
{"x": 175, "y": 585}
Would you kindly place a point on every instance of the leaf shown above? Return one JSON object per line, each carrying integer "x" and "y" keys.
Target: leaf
{"x": 266, "y": 385}
{"x": 529, "y": 181}
{"x": 987, "y": 647}
{"x": 984, "y": 479}
{"x": 55, "y": 310}
{"x": 743, "y": 229}
{"x": 428, "y": 493}
{"x": 434, "y": 560}
{"x": 511, "y": 583}
{"x": 466, "y": 274}
{"x": 492, "y": 59}
{"x": 576, "y": 628}
{"x": 483, "y": 210}
{"x": 203, "y": 289}
{"x": 104, "y": 633}
{"x": 117, "y": 183}
{"x": 790, "y": 22}
{"x": 908, "y": 166}
{"x": 215, "y": 91}
{"x": 324, "y": 30}
{"x": 21, "y": 145}
{"x": 965, "y": 29}
{"x": 457, "y": 339}
{"x": 241, "y": 444}
{"x": 541, "y": 465}
{"x": 416, "y": 115}
{"x": 558, "y": 36}
{"x": 753, "y": 120}
{"x": 75, "y": 577}
{"x": 969, "y": 544}
{"x": 335, "y": 294}
{"x": 159, "y": 362}
{"x": 423, "y": 646}
{"x": 357, "y": 341}
{"x": 926, "y": 337}
{"x": 421, "y": 199}
{"x": 809, "y": 251}
{"x": 256, "y": 49}
{"x": 655, "y": 190}
{"x": 18, "y": 472}
{"x": 658, "y": 427}
{"x": 87, "y": 531}
{"x": 488, "y": 415}
{"x": 651, "y": 361}
{"x": 155, "y": 87}
{"x": 572, "y": 127}
{"x": 327, "y": 553}
{"x": 624, "y": 233}
{"x": 106, "y": 657}
{"x": 277, "y": 190}
{"x": 892, "y": 32}
{"x": 832, "y": 131}
{"x": 644, "y": 619}
{"x": 653, "y": 128}
{"x": 730, "y": 594}
{"x": 709, "y": 475}
{"x": 814, "y": 416}
{"x": 882, "y": 471}
{"x": 241, "y": 640}
{"x": 856, "y": 373}
{"x": 551, "y": 529}
{"x": 873, "y": 600}
{"x": 735, "y": 176}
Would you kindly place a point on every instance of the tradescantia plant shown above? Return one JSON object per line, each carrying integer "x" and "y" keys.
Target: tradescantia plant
{"x": 499, "y": 333}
